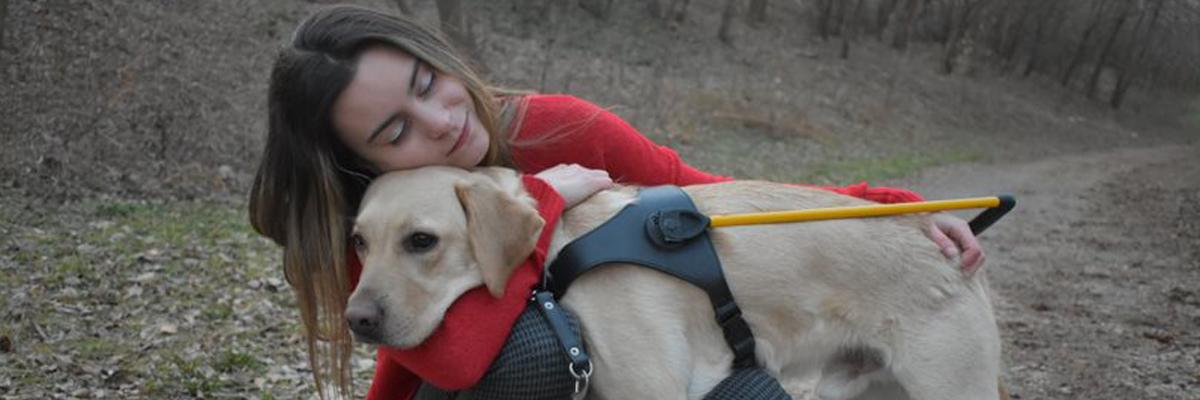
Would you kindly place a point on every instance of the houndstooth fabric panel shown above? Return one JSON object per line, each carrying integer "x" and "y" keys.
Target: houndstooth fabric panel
{"x": 532, "y": 366}
{"x": 748, "y": 383}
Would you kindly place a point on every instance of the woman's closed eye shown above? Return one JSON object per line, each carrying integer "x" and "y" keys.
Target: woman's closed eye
{"x": 424, "y": 88}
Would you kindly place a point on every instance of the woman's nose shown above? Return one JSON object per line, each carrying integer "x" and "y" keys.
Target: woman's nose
{"x": 437, "y": 123}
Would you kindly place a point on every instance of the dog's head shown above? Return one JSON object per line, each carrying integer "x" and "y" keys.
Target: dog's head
{"x": 427, "y": 236}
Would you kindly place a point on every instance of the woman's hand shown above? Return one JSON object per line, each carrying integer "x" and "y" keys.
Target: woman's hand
{"x": 954, "y": 237}
{"x": 574, "y": 182}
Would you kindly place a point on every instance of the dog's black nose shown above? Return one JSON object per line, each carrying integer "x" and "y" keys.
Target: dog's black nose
{"x": 364, "y": 320}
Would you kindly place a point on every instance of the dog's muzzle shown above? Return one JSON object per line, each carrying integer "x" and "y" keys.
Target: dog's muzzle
{"x": 365, "y": 320}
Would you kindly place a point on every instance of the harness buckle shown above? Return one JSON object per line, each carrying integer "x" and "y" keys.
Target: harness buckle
{"x": 737, "y": 334}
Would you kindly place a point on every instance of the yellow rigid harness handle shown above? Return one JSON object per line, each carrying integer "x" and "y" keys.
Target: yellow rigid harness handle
{"x": 997, "y": 206}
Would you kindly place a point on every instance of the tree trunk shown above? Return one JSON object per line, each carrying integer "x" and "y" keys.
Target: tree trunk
{"x": 824, "y": 16}
{"x": 900, "y": 40}
{"x": 1015, "y": 33}
{"x": 454, "y": 25}
{"x": 1101, "y": 61}
{"x": 757, "y": 13}
{"x": 1035, "y": 48}
{"x": 656, "y": 9}
{"x": 678, "y": 10}
{"x": 726, "y": 21}
{"x": 3, "y": 21}
{"x": 948, "y": 21}
{"x": 848, "y": 31}
{"x": 1080, "y": 50}
{"x": 1130, "y": 73}
{"x": 598, "y": 8}
{"x": 835, "y": 17}
{"x": 882, "y": 16}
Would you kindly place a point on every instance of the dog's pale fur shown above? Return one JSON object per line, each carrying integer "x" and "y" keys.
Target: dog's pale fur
{"x": 868, "y": 304}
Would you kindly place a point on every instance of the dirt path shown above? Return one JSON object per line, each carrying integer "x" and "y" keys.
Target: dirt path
{"x": 1096, "y": 274}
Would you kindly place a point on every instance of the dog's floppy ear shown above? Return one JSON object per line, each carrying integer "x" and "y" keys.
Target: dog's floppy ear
{"x": 501, "y": 229}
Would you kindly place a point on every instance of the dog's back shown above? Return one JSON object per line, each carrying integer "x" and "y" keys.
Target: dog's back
{"x": 871, "y": 304}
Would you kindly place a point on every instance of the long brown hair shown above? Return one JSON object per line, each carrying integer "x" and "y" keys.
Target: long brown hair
{"x": 309, "y": 184}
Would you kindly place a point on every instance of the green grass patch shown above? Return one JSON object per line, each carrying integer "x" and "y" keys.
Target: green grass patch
{"x": 218, "y": 312}
{"x": 174, "y": 223}
{"x": 233, "y": 361}
{"x": 879, "y": 169}
{"x": 121, "y": 209}
{"x": 97, "y": 349}
{"x": 192, "y": 375}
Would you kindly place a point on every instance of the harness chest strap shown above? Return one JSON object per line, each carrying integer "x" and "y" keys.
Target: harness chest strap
{"x": 662, "y": 230}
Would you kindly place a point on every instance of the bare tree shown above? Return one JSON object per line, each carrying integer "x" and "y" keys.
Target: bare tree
{"x": 656, "y": 9}
{"x": 598, "y": 8}
{"x": 1050, "y": 15}
{"x": 1098, "y": 11}
{"x": 726, "y": 20}
{"x": 1142, "y": 40}
{"x": 1015, "y": 30}
{"x": 908, "y": 18}
{"x": 883, "y": 17}
{"x": 1122, "y": 15}
{"x": 963, "y": 15}
{"x": 847, "y": 30}
{"x": 3, "y": 18}
{"x": 757, "y": 12}
{"x": 679, "y": 10}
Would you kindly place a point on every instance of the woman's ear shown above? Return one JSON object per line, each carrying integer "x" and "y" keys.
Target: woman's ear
{"x": 501, "y": 230}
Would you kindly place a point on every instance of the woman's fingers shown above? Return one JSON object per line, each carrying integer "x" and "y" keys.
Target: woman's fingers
{"x": 943, "y": 242}
{"x": 954, "y": 237}
{"x": 574, "y": 182}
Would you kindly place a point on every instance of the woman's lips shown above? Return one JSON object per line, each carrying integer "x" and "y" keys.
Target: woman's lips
{"x": 463, "y": 135}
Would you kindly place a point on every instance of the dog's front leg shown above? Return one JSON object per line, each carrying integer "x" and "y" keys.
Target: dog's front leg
{"x": 651, "y": 336}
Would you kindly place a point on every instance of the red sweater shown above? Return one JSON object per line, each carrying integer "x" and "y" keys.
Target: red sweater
{"x": 556, "y": 129}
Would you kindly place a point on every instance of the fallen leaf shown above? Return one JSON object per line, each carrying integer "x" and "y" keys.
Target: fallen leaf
{"x": 145, "y": 277}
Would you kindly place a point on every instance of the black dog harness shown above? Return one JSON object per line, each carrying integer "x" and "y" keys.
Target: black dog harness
{"x": 663, "y": 230}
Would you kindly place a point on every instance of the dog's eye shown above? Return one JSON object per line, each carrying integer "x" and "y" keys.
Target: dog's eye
{"x": 420, "y": 242}
{"x": 360, "y": 244}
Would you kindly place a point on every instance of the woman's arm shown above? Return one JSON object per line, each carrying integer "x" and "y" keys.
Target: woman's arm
{"x": 599, "y": 139}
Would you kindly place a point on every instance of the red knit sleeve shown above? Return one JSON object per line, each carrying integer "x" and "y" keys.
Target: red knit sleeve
{"x": 475, "y": 327}
{"x": 559, "y": 129}
{"x": 392, "y": 381}
{"x": 877, "y": 194}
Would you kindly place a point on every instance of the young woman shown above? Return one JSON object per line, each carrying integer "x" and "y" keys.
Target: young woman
{"x": 358, "y": 93}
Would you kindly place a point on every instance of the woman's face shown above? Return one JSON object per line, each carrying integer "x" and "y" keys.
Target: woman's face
{"x": 398, "y": 113}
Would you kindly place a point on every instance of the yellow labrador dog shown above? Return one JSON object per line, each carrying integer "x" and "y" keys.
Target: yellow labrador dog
{"x": 870, "y": 306}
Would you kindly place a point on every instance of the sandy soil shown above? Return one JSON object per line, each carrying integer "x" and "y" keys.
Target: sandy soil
{"x": 1095, "y": 272}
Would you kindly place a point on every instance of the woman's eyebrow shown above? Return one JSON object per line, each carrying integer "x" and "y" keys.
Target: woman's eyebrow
{"x": 412, "y": 81}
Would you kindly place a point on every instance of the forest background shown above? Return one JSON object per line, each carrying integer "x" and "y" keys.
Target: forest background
{"x": 130, "y": 132}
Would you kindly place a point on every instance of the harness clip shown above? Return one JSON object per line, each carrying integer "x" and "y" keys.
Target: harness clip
{"x": 582, "y": 380}
{"x": 672, "y": 228}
